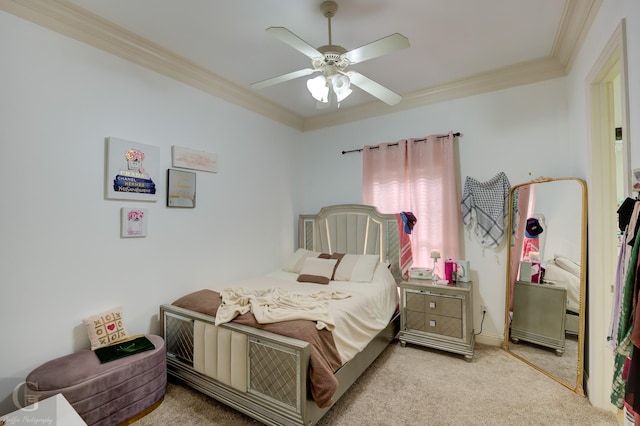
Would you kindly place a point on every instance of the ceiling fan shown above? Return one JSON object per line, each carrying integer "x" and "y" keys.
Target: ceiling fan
{"x": 332, "y": 86}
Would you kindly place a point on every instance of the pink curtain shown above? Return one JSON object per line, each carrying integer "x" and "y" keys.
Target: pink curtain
{"x": 420, "y": 176}
{"x": 526, "y": 204}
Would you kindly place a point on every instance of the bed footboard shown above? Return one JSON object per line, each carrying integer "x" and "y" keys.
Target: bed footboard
{"x": 261, "y": 374}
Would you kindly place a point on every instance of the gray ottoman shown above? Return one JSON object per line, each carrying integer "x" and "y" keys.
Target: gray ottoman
{"x": 103, "y": 394}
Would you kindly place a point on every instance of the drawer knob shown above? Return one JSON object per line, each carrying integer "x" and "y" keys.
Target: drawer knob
{"x": 432, "y": 305}
{"x": 432, "y": 323}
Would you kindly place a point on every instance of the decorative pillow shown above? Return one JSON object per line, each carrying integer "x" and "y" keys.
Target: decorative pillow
{"x": 106, "y": 328}
{"x": 316, "y": 270}
{"x": 357, "y": 267}
{"x": 296, "y": 261}
{"x": 337, "y": 256}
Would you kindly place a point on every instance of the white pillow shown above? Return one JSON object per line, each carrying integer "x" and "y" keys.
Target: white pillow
{"x": 296, "y": 261}
{"x": 357, "y": 268}
{"x": 317, "y": 270}
{"x": 568, "y": 265}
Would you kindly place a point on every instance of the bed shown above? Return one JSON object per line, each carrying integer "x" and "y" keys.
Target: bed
{"x": 270, "y": 371}
{"x": 563, "y": 272}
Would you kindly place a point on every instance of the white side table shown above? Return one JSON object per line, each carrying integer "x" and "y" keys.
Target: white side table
{"x": 53, "y": 410}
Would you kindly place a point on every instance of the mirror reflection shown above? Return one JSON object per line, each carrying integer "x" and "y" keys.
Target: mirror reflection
{"x": 546, "y": 277}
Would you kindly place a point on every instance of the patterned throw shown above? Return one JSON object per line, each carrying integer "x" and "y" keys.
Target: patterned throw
{"x": 484, "y": 208}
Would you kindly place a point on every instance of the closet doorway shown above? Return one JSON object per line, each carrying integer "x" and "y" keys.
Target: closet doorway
{"x": 609, "y": 184}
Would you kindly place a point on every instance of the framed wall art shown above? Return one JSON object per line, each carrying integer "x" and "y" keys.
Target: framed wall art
{"x": 186, "y": 158}
{"x": 132, "y": 171}
{"x": 181, "y": 188}
{"x": 133, "y": 222}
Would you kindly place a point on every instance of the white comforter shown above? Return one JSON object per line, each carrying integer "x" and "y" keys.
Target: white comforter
{"x": 361, "y": 311}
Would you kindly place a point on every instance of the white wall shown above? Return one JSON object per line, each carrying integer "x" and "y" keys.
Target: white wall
{"x": 61, "y": 257}
{"x": 521, "y": 131}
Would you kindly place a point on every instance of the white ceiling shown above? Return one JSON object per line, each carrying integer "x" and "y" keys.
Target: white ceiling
{"x": 456, "y": 45}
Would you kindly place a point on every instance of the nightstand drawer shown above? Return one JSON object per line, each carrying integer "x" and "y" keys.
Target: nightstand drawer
{"x": 437, "y": 324}
{"x": 434, "y": 304}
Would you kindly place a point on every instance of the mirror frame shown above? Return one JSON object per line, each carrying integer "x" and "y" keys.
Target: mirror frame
{"x": 577, "y": 387}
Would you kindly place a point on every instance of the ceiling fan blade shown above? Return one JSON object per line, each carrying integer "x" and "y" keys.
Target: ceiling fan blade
{"x": 374, "y": 88}
{"x": 294, "y": 41}
{"x": 282, "y": 78}
{"x": 377, "y": 48}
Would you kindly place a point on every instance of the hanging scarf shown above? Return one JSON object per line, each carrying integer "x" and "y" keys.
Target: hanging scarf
{"x": 484, "y": 208}
{"x": 406, "y": 222}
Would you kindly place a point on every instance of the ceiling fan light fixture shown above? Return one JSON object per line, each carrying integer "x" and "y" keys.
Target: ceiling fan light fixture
{"x": 342, "y": 96}
{"x": 341, "y": 84}
{"x": 318, "y": 88}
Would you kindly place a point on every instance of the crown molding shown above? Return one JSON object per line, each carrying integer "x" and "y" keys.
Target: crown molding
{"x": 68, "y": 19}
{"x": 577, "y": 17}
{"x": 502, "y": 78}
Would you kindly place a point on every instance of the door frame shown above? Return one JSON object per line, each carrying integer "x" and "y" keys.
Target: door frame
{"x": 602, "y": 249}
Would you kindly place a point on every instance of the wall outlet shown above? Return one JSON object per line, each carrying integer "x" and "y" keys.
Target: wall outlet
{"x": 483, "y": 309}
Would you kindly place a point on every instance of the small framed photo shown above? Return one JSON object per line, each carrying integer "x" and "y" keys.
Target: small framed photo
{"x": 463, "y": 273}
{"x": 133, "y": 222}
{"x": 181, "y": 189}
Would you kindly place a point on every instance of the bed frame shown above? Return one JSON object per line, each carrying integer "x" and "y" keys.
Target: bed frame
{"x": 265, "y": 375}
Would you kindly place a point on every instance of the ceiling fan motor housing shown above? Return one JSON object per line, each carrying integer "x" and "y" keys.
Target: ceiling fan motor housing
{"x": 332, "y": 57}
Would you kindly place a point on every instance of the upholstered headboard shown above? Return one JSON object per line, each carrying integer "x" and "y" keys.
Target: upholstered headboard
{"x": 354, "y": 229}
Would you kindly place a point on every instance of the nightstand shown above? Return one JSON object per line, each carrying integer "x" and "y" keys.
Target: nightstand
{"x": 539, "y": 313}
{"x": 438, "y": 316}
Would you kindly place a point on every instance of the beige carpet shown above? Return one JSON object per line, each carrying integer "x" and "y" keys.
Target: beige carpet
{"x": 419, "y": 386}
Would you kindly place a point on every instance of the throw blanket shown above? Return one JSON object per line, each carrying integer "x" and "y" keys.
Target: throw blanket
{"x": 276, "y": 304}
{"x": 486, "y": 204}
{"x": 324, "y": 358}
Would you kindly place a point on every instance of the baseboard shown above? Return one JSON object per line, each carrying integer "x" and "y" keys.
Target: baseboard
{"x": 487, "y": 339}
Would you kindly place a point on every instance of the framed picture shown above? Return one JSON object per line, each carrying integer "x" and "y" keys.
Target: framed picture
{"x": 463, "y": 273}
{"x": 132, "y": 170}
{"x": 181, "y": 189}
{"x": 187, "y": 158}
{"x": 133, "y": 222}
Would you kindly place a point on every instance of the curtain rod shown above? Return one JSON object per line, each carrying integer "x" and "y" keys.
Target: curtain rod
{"x": 456, "y": 134}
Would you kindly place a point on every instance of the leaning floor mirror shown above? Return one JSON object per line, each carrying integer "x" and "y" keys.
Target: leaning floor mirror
{"x": 546, "y": 278}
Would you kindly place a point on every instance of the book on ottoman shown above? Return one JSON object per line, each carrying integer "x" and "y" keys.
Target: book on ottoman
{"x": 123, "y": 349}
